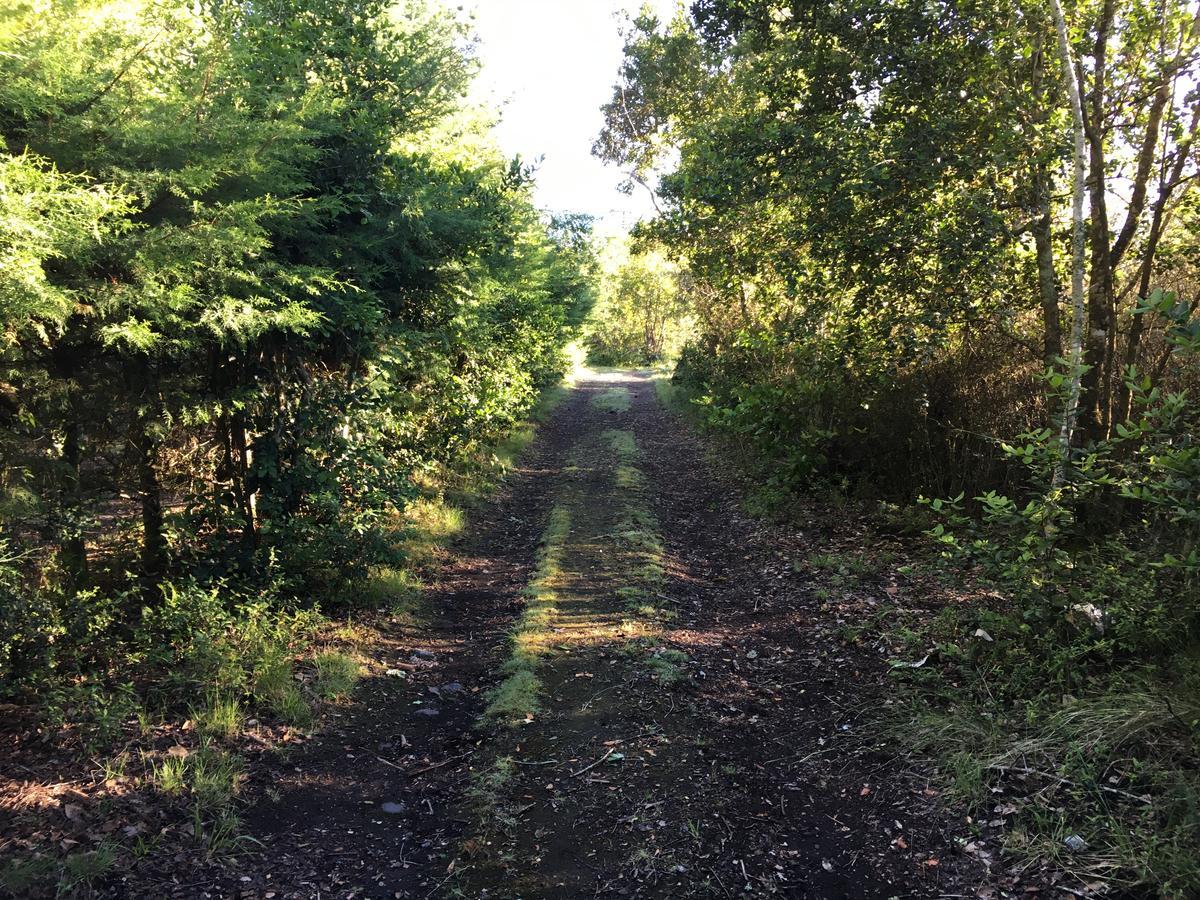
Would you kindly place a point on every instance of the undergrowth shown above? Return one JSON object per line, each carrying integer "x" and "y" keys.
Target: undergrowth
{"x": 212, "y": 656}
{"x": 1054, "y": 696}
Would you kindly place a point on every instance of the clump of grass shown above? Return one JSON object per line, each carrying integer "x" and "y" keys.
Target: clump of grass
{"x": 170, "y": 775}
{"x": 487, "y": 784}
{"x": 670, "y": 395}
{"x": 844, "y": 564}
{"x": 293, "y": 709}
{"x": 211, "y": 779}
{"x": 968, "y": 778}
{"x": 910, "y": 519}
{"x": 220, "y": 717}
{"x": 666, "y": 664}
{"x": 337, "y": 674}
{"x": 429, "y": 523}
{"x": 83, "y": 870}
{"x": 487, "y": 791}
{"x": 22, "y": 877}
{"x": 514, "y": 699}
{"x": 275, "y": 686}
{"x": 219, "y": 834}
{"x": 114, "y": 766}
{"x": 214, "y": 777}
{"x": 613, "y": 400}
{"x": 622, "y": 443}
{"x": 633, "y": 595}
{"x": 97, "y": 711}
{"x": 509, "y": 450}
{"x": 211, "y": 776}
{"x": 1104, "y": 768}
{"x": 641, "y": 540}
{"x": 387, "y": 587}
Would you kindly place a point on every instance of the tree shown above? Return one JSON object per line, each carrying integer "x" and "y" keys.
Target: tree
{"x": 637, "y": 317}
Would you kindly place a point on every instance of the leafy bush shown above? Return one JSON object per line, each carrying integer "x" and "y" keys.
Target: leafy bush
{"x": 1100, "y": 554}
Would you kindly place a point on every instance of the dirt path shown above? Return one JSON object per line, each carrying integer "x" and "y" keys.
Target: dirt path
{"x": 629, "y": 691}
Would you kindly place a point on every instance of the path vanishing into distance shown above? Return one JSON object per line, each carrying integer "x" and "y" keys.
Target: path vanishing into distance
{"x": 628, "y": 690}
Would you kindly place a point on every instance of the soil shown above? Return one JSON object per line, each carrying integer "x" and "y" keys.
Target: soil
{"x": 752, "y": 765}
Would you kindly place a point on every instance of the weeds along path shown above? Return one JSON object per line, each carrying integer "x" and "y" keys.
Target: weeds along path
{"x": 627, "y": 690}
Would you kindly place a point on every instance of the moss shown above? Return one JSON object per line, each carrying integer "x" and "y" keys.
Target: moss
{"x": 613, "y": 400}
{"x": 515, "y": 698}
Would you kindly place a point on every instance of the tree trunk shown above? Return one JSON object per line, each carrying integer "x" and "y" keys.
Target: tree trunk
{"x": 1137, "y": 327}
{"x": 246, "y": 496}
{"x": 147, "y": 446}
{"x": 1047, "y": 279}
{"x": 1074, "y": 387}
{"x": 1098, "y": 349}
{"x": 72, "y": 547}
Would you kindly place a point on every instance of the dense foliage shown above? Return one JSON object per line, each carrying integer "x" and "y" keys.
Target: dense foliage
{"x": 263, "y": 273}
{"x": 877, "y": 199}
{"x": 874, "y": 194}
{"x": 639, "y": 317}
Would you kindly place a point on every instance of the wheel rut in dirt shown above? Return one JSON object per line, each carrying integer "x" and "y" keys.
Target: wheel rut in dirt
{"x": 642, "y": 705}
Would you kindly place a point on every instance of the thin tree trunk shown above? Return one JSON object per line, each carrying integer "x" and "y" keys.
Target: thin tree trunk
{"x": 1138, "y": 324}
{"x": 1074, "y": 387}
{"x": 147, "y": 446}
{"x": 245, "y": 494}
{"x": 1047, "y": 279}
{"x": 73, "y": 548}
{"x": 1137, "y": 327}
{"x": 1097, "y": 351}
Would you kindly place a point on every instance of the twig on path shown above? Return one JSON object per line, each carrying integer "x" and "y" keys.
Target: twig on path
{"x": 713, "y": 873}
{"x": 437, "y": 887}
{"x": 590, "y": 766}
{"x": 444, "y": 762}
{"x": 805, "y": 758}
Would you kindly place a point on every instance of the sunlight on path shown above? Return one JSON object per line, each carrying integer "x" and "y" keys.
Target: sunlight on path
{"x": 589, "y": 632}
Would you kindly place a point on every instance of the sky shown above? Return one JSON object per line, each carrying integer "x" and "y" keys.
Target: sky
{"x": 550, "y": 65}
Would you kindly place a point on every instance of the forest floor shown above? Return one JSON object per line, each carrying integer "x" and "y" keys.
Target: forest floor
{"x": 624, "y": 685}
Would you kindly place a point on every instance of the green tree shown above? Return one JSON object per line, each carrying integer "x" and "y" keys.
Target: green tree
{"x": 637, "y": 319}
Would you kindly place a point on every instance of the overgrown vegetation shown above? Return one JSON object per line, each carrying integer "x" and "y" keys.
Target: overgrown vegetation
{"x": 262, "y": 285}
{"x": 640, "y": 315}
{"x": 271, "y": 303}
{"x": 875, "y": 204}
